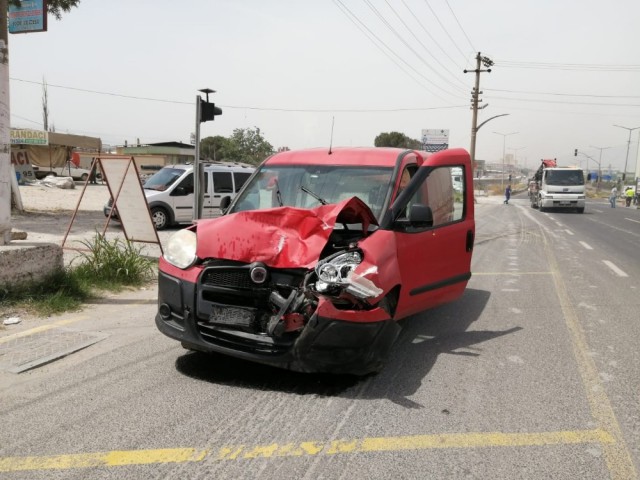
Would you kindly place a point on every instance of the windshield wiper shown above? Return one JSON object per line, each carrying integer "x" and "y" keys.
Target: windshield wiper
{"x": 306, "y": 190}
{"x": 278, "y": 194}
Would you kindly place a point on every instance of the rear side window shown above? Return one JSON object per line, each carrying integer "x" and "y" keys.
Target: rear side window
{"x": 240, "y": 178}
{"x": 222, "y": 182}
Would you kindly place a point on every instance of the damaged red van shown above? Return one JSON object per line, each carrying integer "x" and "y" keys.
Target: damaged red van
{"x": 319, "y": 255}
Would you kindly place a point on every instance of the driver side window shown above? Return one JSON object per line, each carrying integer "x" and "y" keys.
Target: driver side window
{"x": 443, "y": 192}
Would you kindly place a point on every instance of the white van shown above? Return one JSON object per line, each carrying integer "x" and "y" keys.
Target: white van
{"x": 169, "y": 191}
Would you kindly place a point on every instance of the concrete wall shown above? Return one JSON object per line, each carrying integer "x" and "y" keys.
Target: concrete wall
{"x": 21, "y": 263}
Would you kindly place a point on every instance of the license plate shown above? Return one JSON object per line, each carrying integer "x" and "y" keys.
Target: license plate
{"x": 238, "y": 316}
{"x": 565, "y": 203}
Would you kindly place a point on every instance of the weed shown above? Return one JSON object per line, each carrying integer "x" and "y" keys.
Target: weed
{"x": 114, "y": 264}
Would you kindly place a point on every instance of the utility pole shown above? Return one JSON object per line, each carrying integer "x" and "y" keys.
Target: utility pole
{"x": 486, "y": 61}
{"x": 599, "y": 165}
{"x": 5, "y": 128}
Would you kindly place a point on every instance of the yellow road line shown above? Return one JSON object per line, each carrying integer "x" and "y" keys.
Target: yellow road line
{"x": 308, "y": 448}
{"x": 42, "y": 328}
{"x": 616, "y": 453}
{"x": 511, "y": 273}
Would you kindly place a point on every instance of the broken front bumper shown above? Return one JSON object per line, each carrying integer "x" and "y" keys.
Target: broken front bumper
{"x": 325, "y": 344}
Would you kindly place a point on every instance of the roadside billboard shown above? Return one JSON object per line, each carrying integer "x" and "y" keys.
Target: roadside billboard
{"x": 435, "y": 140}
{"x": 28, "y": 16}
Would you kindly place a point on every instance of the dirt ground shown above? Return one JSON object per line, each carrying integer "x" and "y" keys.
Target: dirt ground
{"x": 51, "y": 214}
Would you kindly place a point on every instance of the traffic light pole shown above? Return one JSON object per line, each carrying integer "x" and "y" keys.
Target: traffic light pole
{"x": 198, "y": 177}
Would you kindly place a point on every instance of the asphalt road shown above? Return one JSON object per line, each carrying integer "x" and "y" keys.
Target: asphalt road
{"x": 532, "y": 374}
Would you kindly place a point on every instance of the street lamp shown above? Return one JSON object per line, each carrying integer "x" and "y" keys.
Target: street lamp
{"x": 504, "y": 139}
{"x": 624, "y": 172}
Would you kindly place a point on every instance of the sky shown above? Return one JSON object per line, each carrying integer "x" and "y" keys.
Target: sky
{"x": 310, "y": 73}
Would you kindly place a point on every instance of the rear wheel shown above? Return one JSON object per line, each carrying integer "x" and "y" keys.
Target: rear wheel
{"x": 84, "y": 177}
{"x": 160, "y": 218}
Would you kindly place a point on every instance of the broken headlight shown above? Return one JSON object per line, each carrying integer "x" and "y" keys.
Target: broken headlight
{"x": 181, "y": 249}
{"x": 335, "y": 269}
{"x": 337, "y": 273}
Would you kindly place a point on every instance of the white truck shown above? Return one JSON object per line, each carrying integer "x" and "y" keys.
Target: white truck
{"x": 557, "y": 187}
{"x": 69, "y": 170}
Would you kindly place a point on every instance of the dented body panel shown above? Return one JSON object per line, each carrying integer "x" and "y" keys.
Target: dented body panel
{"x": 319, "y": 281}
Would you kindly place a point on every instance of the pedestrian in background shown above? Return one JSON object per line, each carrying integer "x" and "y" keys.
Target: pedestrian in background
{"x": 628, "y": 196}
{"x": 507, "y": 194}
{"x": 612, "y": 196}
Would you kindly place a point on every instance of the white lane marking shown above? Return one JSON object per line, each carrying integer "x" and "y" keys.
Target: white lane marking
{"x": 597, "y": 211}
{"x": 613, "y": 267}
{"x": 569, "y": 232}
{"x": 586, "y": 245}
{"x": 632, "y": 220}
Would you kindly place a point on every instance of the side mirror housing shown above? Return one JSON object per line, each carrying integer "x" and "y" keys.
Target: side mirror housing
{"x": 421, "y": 216}
{"x": 224, "y": 203}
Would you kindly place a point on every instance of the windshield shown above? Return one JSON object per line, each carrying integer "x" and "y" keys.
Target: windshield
{"x": 163, "y": 179}
{"x": 565, "y": 177}
{"x": 330, "y": 184}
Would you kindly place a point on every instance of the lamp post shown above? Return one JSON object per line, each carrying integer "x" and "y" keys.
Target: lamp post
{"x": 624, "y": 172}
{"x": 504, "y": 140}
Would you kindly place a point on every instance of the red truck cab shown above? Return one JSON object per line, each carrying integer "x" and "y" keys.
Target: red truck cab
{"x": 319, "y": 255}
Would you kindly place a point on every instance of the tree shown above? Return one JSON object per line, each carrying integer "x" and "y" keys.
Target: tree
{"x": 248, "y": 145}
{"x": 398, "y": 140}
{"x": 54, "y": 7}
{"x": 214, "y": 148}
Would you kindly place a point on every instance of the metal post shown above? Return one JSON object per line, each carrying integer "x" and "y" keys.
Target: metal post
{"x": 197, "y": 177}
{"x": 626, "y": 159}
{"x": 504, "y": 138}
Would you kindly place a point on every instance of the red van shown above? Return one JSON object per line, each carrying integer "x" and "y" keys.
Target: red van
{"x": 319, "y": 255}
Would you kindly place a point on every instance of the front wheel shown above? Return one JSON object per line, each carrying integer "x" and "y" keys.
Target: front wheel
{"x": 84, "y": 177}
{"x": 580, "y": 210}
{"x": 160, "y": 218}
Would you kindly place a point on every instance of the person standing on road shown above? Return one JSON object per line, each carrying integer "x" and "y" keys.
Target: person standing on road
{"x": 628, "y": 196}
{"x": 507, "y": 194}
{"x": 612, "y": 196}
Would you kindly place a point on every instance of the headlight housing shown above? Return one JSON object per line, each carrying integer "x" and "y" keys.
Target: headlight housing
{"x": 335, "y": 269}
{"x": 181, "y": 249}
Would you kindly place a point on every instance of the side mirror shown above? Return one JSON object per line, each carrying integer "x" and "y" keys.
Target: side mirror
{"x": 224, "y": 203}
{"x": 421, "y": 216}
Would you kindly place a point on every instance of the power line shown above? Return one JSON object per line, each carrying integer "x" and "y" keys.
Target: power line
{"x": 406, "y": 44}
{"x": 445, "y": 30}
{"x": 567, "y": 103}
{"x": 569, "y": 66}
{"x": 561, "y": 94}
{"x": 415, "y": 17}
{"x": 459, "y": 25}
{"x": 246, "y": 107}
{"x": 351, "y": 16}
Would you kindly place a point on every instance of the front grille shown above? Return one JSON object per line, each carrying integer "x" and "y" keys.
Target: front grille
{"x": 228, "y": 278}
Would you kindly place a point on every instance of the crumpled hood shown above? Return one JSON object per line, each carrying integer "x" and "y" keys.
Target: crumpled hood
{"x": 284, "y": 237}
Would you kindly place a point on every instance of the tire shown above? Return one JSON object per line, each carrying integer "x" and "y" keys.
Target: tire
{"x": 160, "y": 218}
{"x": 580, "y": 210}
{"x": 84, "y": 177}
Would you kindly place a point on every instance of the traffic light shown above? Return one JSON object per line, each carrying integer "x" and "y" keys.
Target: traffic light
{"x": 208, "y": 111}
{"x": 575, "y": 152}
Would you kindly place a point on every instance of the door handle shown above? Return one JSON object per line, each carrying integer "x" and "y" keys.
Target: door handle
{"x": 470, "y": 238}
